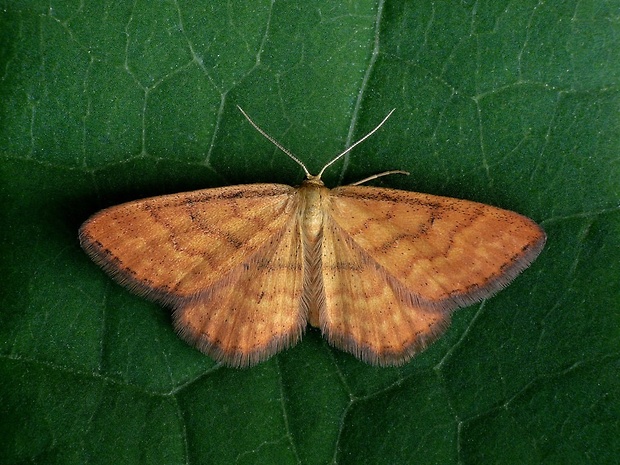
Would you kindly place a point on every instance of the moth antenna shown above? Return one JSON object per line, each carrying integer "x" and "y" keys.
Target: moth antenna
{"x": 338, "y": 157}
{"x": 378, "y": 175}
{"x": 276, "y": 143}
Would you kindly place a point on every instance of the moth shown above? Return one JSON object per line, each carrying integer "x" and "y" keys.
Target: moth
{"x": 246, "y": 268}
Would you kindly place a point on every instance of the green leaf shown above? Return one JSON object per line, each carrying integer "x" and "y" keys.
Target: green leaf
{"x": 514, "y": 105}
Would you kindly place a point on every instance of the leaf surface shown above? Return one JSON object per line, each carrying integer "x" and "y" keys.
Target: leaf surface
{"x": 511, "y": 105}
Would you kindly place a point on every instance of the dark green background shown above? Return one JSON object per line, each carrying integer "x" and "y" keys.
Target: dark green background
{"x": 515, "y": 104}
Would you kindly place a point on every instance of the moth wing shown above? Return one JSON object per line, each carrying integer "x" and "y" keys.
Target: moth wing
{"x": 228, "y": 260}
{"x": 175, "y": 246}
{"x": 366, "y": 311}
{"x": 446, "y": 252}
{"x": 256, "y": 310}
{"x": 396, "y": 263}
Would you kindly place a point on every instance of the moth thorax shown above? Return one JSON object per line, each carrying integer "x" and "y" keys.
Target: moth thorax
{"x": 313, "y": 194}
